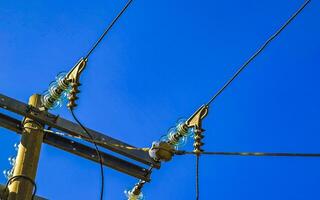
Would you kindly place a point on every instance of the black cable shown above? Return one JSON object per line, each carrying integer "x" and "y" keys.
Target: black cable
{"x": 97, "y": 150}
{"x": 252, "y": 154}
{"x": 71, "y": 109}
{"x": 21, "y": 177}
{"x": 197, "y": 176}
{"x": 108, "y": 28}
{"x": 258, "y": 51}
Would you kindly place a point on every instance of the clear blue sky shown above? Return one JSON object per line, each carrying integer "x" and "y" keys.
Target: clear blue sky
{"x": 161, "y": 61}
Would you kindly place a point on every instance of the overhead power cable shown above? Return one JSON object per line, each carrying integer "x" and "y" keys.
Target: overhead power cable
{"x": 97, "y": 150}
{"x": 108, "y": 28}
{"x": 217, "y": 153}
{"x": 72, "y": 105}
{"x": 228, "y": 82}
{"x": 259, "y": 51}
{"x": 197, "y": 176}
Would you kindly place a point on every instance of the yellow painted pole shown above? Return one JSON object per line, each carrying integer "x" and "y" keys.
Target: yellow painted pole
{"x": 28, "y": 156}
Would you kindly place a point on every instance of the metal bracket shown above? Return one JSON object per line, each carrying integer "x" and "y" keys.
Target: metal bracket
{"x": 164, "y": 150}
{"x": 81, "y": 150}
{"x": 73, "y": 79}
{"x": 74, "y": 129}
{"x": 74, "y": 73}
{"x": 195, "y": 121}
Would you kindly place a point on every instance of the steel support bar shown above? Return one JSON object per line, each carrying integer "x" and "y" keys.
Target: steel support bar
{"x": 74, "y": 129}
{"x": 81, "y": 150}
{"x": 91, "y": 154}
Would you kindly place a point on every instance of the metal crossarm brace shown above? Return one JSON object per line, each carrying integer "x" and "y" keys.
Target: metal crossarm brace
{"x": 81, "y": 150}
{"x": 74, "y": 129}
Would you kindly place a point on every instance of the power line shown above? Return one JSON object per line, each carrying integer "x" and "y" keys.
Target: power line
{"x": 71, "y": 109}
{"x": 197, "y": 176}
{"x": 259, "y": 51}
{"x": 108, "y": 29}
{"x": 227, "y": 83}
{"x": 238, "y": 154}
{"x": 97, "y": 150}
{"x": 250, "y": 154}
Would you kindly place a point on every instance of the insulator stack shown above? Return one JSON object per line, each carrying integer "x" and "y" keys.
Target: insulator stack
{"x": 73, "y": 95}
{"x": 198, "y": 136}
{"x": 16, "y": 146}
{"x": 8, "y": 173}
{"x": 180, "y": 132}
{"x": 57, "y": 92}
{"x": 12, "y": 161}
{"x": 177, "y": 136}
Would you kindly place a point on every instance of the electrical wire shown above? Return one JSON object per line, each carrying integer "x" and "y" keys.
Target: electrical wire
{"x": 197, "y": 176}
{"x": 259, "y": 51}
{"x": 108, "y": 28}
{"x": 238, "y": 154}
{"x": 227, "y": 83}
{"x": 21, "y": 177}
{"x": 210, "y": 101}
{"x": 251, "y": 154}
{"x": 97, "y": 150}
{"x": 71, "y": 109}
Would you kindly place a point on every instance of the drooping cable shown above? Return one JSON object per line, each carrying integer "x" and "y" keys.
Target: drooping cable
{"x": 197, "y": 176}
{"x": 108, "y": 28}
{"x": 71, "y": 107}
{"x": 97, "y": 150}
{"x": 259, "y": 51}
{"x": 250, "y": 154}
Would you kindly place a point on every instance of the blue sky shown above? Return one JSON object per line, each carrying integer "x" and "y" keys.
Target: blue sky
{"x": 161, "y": 61}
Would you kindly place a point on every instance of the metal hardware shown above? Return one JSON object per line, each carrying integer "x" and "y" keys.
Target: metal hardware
{"x": 81, "y": 150}
{"x": 137, "y": 188}
{"x": 73, "y": 77}
{"x": 74, "y": 129}
{"x": 164, "y": 150}
{"x": 136, "y": 193}
{"x": 74, "y": 74}
{"x": 195, "y": 121}
{"x": 161, "y": 151}
{"x": 62, "y": 84}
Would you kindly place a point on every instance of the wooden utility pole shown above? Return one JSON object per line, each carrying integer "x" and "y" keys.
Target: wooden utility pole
{"x": 28, "y": 156}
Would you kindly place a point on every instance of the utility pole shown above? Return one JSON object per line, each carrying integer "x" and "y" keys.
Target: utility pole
{"x": 34, "y": 134}
{"x": 28, "y": 156}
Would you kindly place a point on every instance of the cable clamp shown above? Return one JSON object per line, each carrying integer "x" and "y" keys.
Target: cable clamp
{"x": 195, "y": 122}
